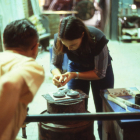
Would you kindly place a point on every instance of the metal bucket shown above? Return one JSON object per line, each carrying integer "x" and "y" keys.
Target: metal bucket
{"x": 80, "y": 130}
{"x": 73, "y": 105}
{"x": 70, "y": 107}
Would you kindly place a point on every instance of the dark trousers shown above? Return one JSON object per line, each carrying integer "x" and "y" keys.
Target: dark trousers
{"x": 96, "y": 85}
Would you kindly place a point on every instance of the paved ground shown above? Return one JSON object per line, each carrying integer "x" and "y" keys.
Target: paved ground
{"x": 126, "y": 66}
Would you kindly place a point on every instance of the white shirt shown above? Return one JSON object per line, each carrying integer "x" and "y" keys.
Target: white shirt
{"x": 33, "y": 75}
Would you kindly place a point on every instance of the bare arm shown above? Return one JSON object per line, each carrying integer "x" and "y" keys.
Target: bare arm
{"x": 56, "y": 71}
{"x": 100, "y": 61}
{"x": 88, "y": 75}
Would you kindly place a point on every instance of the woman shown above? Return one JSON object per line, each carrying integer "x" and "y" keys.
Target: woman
{"x": 89, "y": 59}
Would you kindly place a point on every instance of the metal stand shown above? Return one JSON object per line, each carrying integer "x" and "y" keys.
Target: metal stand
{"x": 24, "y": 131}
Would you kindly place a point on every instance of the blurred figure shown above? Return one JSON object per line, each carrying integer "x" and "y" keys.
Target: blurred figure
{"x": 20, "y": 75}
{"x": 61, "y": 5}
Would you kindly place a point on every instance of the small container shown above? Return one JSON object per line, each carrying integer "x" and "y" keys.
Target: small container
{"x": 137, "y": 99}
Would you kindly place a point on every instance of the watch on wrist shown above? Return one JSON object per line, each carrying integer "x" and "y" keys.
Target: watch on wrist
{"x": 77, "y": 75}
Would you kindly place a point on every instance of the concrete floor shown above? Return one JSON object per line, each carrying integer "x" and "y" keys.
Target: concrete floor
{"x": 126, "y": 66}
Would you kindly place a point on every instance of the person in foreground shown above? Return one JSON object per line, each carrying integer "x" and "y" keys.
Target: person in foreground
{"x": 20, "y": 75}
{"x": 89, "y": 60}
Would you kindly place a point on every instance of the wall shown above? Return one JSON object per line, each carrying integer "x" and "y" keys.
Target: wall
{"x": 126, "y": 1}
{"x": 105, "y": 16}
{"x": 114, "y": 20}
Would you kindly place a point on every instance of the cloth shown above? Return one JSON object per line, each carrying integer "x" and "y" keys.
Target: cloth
{"x": 33, "y": 75}
{"x": 96, "y": 58}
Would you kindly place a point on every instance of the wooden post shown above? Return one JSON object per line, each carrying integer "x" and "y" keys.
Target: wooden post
{"x": 114, "y": 19}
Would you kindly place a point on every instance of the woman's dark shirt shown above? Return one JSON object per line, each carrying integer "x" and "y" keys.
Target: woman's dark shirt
{"x": 97, "y": 57}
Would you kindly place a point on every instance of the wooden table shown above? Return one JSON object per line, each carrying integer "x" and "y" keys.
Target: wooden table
{"x": 120, "y": 129}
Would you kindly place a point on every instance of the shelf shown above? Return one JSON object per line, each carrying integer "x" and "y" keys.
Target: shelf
{"x": 132, "y": 38}
{"x": 131, "y": 31}
{"x": 121, "y": 16}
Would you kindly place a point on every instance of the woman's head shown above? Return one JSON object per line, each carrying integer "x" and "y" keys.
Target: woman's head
{"x": 71, "y": 29}
{"x": 20, "y": 34}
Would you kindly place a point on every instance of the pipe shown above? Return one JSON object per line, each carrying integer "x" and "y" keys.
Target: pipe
{"x": 82, "y": 116}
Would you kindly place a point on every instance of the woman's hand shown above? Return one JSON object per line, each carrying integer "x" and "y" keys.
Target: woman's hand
{"x": 56, "y": 80}
{"x": 66, "y": 77}
{"x": 63, "y": 79}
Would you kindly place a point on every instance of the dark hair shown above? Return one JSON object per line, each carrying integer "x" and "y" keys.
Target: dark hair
{"x": 71, "y": 28}
{"x": 19, "y": 33}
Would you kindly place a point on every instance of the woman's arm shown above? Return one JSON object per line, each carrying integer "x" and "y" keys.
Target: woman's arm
{"x": 56, "y": 65}
{"x": 88, "y": 75}
{"x": 101, "y": 62}
{"x": 56, "y": 62}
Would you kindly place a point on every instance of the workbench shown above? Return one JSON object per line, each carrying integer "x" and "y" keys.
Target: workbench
{"x": 120, "y": 129}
